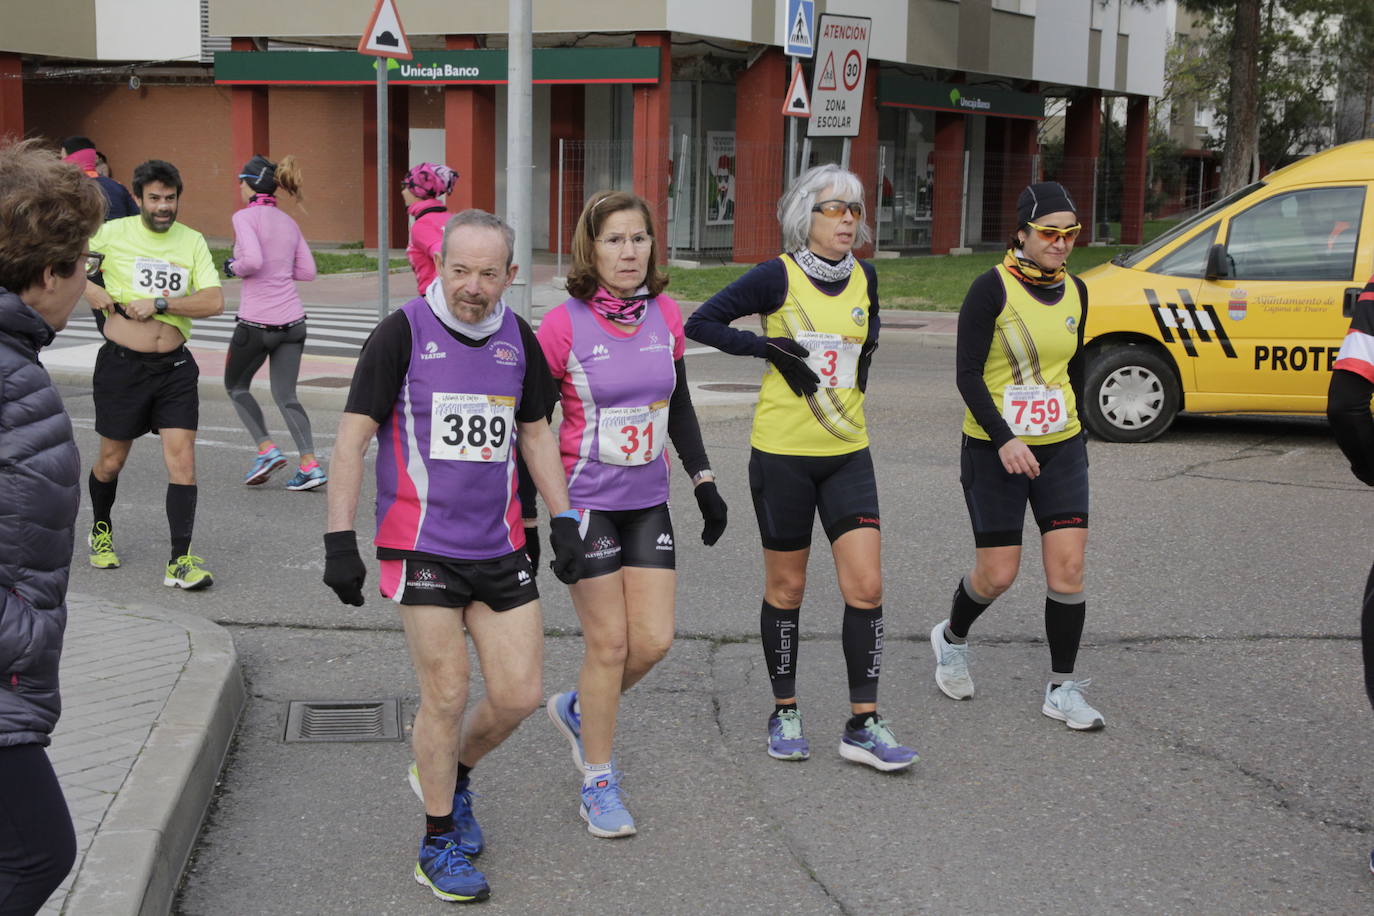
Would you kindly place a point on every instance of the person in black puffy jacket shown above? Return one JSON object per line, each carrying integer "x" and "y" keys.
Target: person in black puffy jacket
{"x": 48, "y": 213}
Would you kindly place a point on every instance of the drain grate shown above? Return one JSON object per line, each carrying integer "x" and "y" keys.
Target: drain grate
{"x": 343, "y": 720}
{"x": 731, "y": 386}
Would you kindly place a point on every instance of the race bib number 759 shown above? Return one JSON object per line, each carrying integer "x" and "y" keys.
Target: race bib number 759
{"x": 1034, "y": 410}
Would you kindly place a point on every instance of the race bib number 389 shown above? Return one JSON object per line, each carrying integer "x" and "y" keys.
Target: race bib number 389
{"x": 1034, "y": 410}
{"x": 471, "y": 427}
{"x": 154, "y": 277}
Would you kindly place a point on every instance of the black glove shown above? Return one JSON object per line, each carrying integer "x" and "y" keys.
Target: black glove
{"x": 229, "y": 267}
{"x": 343, "y": 567}
{"x": 568, "y": 550}
{"x": 532, "y": 546}
{"x": 712, "y": 511}
{"x": 790, "y": 359}
{"x": 865, "y": 360}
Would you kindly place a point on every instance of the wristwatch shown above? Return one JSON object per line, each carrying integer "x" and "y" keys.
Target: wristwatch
{"x": 161, "y": 305}
{"x": 701, "y": 475}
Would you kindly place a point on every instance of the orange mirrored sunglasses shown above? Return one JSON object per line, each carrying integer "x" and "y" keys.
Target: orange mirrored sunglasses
{"x": 1050, "y": 233}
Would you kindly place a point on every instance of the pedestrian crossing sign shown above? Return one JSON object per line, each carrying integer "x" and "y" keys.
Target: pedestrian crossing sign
{"x": 801, "y": 27}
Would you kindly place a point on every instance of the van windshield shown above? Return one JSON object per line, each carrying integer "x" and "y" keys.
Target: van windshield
{"x": 1136, "y": 255}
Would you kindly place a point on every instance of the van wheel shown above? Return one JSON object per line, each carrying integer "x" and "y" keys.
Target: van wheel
{"x": 1132, "y": 394}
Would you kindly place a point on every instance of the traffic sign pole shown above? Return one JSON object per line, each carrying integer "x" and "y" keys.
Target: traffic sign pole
{"x": 792, "y": 167}
{"x": 383, "y": 254}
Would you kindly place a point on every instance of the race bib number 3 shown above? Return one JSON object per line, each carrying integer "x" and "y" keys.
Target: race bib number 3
{"x": 1034, "y": 410}
{"x": 631, "y": 436}
{"x": 154, "y": 277}
{"x": 471, "y": 427}
{"x": 832, "y": 357}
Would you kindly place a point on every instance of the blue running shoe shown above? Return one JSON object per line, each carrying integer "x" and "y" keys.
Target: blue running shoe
{"x": 263, "y": 466}
{"x": 465, "y": 828}
{"x": 875, "y": 745}
{"x": 447, "y": 872}
{"x": 560, "y": 709}
{"x": 785, "y": 740}
{"x": 307, "y": 480}
{"x": 603, "y": 809}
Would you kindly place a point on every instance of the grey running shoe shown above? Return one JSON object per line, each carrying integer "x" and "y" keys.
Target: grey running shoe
{"x": 1066, "y": 704}
{"x": 951, "y": 665}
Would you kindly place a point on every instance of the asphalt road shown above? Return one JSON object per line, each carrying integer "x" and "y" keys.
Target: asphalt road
{"x": 1224, "y": 575}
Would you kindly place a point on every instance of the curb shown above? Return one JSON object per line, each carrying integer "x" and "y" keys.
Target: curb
{"x": 135, "y": 861}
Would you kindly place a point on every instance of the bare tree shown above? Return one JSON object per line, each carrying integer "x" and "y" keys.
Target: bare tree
{"x": 1242, "y": 120}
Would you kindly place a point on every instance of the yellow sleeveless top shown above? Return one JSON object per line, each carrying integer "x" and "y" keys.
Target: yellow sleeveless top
{"x": 1032, "y": 345}
{"x": 831, "y": 421}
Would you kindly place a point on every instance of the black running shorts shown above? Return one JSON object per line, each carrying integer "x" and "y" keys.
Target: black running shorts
{"x": 641, "y": 538}
{"x": 501, "y": 584}
{"x": 137, "y": 392}
{"x": 997, "y": 500}
{"x": 789, "y": 490}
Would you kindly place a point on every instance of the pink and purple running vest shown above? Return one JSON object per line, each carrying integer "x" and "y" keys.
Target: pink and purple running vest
{"x": 467, "y": 510}
{"x": 606, "y": 371}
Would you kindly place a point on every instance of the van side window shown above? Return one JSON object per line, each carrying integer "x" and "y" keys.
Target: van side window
{"x": 1190, "y": 258}
{"x": 1301, "y": 235}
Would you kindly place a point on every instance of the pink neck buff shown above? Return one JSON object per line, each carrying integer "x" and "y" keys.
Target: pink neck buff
{"x": 84, "y": 159}
{"x": 262, "y": 200}
{"x": 622, "y": 311}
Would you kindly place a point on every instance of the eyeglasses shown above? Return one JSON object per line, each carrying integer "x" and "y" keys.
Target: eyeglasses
{"x": 92, "y": 261}
{"x": 834, "y": 208}
{"x": 1050, "y": 233}
{"x": 616, "y": 242}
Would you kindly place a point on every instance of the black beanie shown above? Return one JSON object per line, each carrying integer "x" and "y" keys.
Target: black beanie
{"x": 1041, "y": 198}
{"x": 72, "y": 144}
{"x": 261, "y": 175}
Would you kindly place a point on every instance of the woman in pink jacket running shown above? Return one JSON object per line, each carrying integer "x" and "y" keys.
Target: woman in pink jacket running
{"x": 423, "y": 186}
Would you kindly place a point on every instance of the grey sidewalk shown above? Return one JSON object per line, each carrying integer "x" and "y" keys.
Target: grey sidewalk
{"x": 150, "y": 701}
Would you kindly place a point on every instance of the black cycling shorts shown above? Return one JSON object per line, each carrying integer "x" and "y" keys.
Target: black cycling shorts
{"x": 997, "y": 500}
{"x": 501, "y": 584}
{"x": 139, "y": 392}
{"x": 789, "y": 490}
{"x": 630, "y": 537}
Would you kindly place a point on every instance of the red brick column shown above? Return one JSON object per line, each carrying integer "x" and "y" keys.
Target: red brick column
{"x": 759, "y": 144}
{"x": 567, "y": 112}
{"x": 1133, "y": 188}
{"x": 248, "y": 122}
{"x": 651, "y": 153}
{"x": 398, "y": 151}
{"x": 948, "y": 193}
{"x": 863, "y": 155}
{"x": 1082, "y": 140}
{"x": 470, "y": 138}
{"x": 11, "y": 96}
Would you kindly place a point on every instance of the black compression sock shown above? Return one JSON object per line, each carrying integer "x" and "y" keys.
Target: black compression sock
{"x": 436, "y": 825}
{"x": 1064, "y": 614}
{"x": 965, "y": 608}
{"x": 859, "y": 720}
{"x": 783, "y": 707}
{"x": 181, "y": 516}
{"x": 102, "y": 498}
{"x": 861, "y": 634}
{"x": 778, "y": 627}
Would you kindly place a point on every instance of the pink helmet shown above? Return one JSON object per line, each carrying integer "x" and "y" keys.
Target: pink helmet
{"x": 429, "y": 179}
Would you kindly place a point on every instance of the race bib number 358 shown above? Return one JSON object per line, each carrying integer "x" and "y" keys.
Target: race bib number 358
{"x": 471, "y": 427}
{"x": 1034, "y": 410}
{"x": 154, "y": 277}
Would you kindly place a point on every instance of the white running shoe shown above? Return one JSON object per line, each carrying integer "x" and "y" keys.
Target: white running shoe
{"x": 951, "y": 665}
{"x": 1066, "y": 704}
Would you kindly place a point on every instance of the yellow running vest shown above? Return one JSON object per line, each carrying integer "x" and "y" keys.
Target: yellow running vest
{"x": 831, "y": 421}
{"x": 1032, "y": 346}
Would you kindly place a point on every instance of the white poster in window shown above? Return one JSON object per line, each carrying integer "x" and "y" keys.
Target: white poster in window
{"x": 720, "y": 188}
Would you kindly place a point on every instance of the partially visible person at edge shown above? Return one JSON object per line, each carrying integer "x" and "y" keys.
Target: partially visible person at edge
{"x": 1019, "y": 368}
{"x": 422, "y": 190}
{"x": 451, "y": 384}
{"x": 270, "y": 254}
{"x": 48, "y": 212}
{"x": 616, "y": 347}
{"x": 82, "y": 152}
{"x": 1347, "y": 407}
{"x": 810, "y": 447}
{"x": 158, "y": 276}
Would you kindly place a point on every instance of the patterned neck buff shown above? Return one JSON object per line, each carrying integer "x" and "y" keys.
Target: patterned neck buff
{"x": 262, "y": 200}
{"x": 1031, "y": 272}
{"x": 628, "y": 311}
{"x": 817, "y": 268}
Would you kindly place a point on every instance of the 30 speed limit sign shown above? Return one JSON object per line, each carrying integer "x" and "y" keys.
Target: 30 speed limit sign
{"x": 841, "y": 61}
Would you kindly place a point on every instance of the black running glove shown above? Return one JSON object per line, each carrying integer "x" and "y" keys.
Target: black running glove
{"x": 790, "y": 359}
{"x": 712, "y": 511}
{"x": 568, "y": 551}
{"x": 229, "y": 268}
{"x": 343, "y": 567}
{"x": 865, "y": 360}
{"x": 532, "y": 546}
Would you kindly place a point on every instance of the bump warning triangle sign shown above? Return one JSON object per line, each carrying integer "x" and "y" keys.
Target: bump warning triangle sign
{"x": 798, "y": 103}
{"x": 384, "y": 36}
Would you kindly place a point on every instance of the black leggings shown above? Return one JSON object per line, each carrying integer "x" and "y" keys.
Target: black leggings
{"x": 248, "y": 349}
{"x": 37, "y": 843}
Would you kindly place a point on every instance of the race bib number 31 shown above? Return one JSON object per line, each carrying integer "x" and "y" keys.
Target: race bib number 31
{"x": 832, "y": 357}
{"x": 154, "y": 277}
{"x": 631, "y": 436}
{"x": 471, "y": 427}
{"x": 1034, "y": 410}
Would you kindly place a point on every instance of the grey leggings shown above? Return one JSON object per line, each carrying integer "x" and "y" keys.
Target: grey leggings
{"x": 248, "y": 349}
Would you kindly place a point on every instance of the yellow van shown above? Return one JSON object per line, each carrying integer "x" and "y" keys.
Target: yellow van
{"x": 1239, "y": 309}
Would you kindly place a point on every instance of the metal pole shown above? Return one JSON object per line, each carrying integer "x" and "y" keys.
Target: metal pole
{"x": 561, "y": 141}
{"x": 844, "y": 154}
{"x": 677, "y": 195}
{"x": 383, "y": 189}
{"x": 792, "y": 136}
{"x": 963, "y": 207}
{"x": 806, "y": 156}
{"x": 878, "y": 210}
{"x": 519, "y": 140}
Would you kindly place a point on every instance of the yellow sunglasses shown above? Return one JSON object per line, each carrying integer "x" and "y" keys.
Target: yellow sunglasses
{"x": 1050, "y": 233}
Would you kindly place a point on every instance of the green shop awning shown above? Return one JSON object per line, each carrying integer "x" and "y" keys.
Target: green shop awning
{"x": 480, "y": 67}
{"x": 899, "y": 90}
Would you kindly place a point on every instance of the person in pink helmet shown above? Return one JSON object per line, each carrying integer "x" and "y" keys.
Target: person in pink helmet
{"x": 423, "y": 186}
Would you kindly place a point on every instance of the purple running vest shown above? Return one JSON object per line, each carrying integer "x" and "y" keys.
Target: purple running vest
{"x": 606, "y": 372}
{"x": 438, "y": 503}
